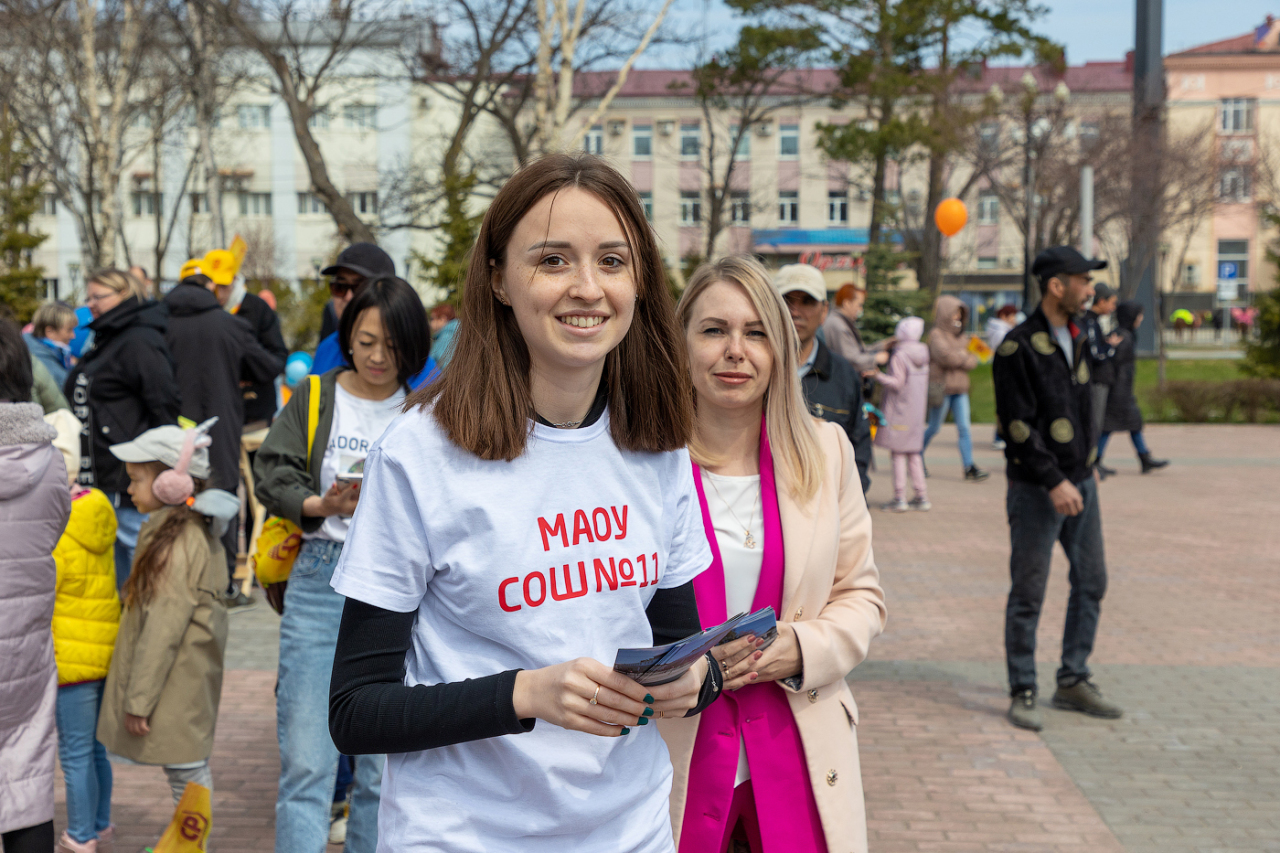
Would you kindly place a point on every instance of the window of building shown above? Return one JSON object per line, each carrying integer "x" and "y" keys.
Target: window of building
{"x": 1237, "y": 115}
{"x": 1089, "y": 133}
{"x": 789, "y": 207}
{"x": 988, "y": 208}
{"x": 642, "y": 141}
{"x": 788, "y": 141}
{"x": 319, "y": 120}
{"x": 838, "y": 207}
{"x": 690, "y": 141}
{"x": 593, "y": 142}
{"x": 690, "y": 208}
{"x": 646, "y": 201}
{"x": 360, "y": 116}
{"x": 1233, "y": 266}
{"x": 48, "y": 205}
{"x": 255, "y": 204}
{"x": 254, "y": 116}
{"x": 199, "y": 202}
{"x": 989, "y": 138}
{"x": 740, "y": 207}
{"x": 364, "y": 203}
{"x": 147, "y": 203}
{"x": 310, "y": 203}
{"x": 1234, "y": 184}
{"x": 988, "y": 262}
{"x": 743, "y": 151}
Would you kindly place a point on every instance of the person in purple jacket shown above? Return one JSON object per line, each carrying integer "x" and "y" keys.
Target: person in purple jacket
{"x": 906, "y": 387}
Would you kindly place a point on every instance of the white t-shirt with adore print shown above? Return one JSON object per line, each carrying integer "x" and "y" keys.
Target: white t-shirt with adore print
{"x": 523, "y": 564}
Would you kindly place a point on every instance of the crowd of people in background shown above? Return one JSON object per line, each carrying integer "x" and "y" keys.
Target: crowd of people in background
{"x": 121, "y": 428}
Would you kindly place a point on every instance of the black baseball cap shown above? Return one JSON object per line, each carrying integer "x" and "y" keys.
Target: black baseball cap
{"x": 1063, "y": 259}
{"x": 1102, "y": 291}
{"x": 363, "y": 258}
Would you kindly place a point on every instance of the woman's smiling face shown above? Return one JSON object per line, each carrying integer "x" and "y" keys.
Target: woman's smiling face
{"x": 570, "y": 280}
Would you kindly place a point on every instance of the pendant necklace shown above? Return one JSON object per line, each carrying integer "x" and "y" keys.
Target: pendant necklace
{"x": 749, "y": 541}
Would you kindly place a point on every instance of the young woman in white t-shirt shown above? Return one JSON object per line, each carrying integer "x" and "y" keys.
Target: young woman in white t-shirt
{"x": 385, "y": 339}
{"x": 530, "y": 514}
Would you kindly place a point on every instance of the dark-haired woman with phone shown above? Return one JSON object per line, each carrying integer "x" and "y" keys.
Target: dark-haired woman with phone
{"x": 385, "y": 340}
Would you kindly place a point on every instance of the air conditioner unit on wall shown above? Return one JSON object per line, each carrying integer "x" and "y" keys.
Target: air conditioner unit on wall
{"x": 616, "y": 126}
{"x": 764, "y": 129}
{"x": 666, "y": 128}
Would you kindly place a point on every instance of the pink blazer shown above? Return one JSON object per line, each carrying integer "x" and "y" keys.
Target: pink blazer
{"x": 831, "y": 595}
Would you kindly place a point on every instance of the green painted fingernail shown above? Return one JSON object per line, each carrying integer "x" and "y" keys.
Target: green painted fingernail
{"x": 648, "y": 712}
{"x": 648, "y": 700}
{"x": 626, "y": 730}
{"x": 643, "y": 721}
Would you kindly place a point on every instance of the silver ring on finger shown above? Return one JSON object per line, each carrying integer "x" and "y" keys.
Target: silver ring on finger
{"x": 595, "y": 696}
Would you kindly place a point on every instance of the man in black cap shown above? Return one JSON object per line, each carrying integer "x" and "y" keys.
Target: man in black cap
{"x": 1102, "y": 350}
{"x": 356, "y": 264}
{"x": 1044, "y": 411}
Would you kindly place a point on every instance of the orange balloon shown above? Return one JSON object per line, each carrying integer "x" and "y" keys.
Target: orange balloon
{"x": 950, "y": 216}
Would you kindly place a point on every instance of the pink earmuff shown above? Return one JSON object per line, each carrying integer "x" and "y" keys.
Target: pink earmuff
{"x": 174, "y": 486}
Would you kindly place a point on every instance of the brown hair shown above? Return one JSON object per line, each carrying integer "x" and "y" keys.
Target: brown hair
{"x": 793, "y": 440}
{"x": 151, "y": 562}
{"x": 847, "y": 292}
{"x": 483, "y": 401}
{"x": 443, "y": 311}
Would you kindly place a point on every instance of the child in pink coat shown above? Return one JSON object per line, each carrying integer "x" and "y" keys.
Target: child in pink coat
{"x": 906, "y": 385}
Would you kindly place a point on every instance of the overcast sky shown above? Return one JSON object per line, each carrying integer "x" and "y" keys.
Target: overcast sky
{"x": 1091, "y": 29}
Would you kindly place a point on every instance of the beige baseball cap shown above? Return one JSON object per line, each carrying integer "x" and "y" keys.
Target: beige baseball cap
{"x": 803, "y": 278}
{"x": 163, "y": 444}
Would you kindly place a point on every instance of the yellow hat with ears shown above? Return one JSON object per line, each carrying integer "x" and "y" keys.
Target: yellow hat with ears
{"x": 190, "y": 268}
{"x": 220, "y": 265}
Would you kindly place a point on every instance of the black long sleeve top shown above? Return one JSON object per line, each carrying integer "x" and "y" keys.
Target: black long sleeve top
{"x": 371, "y": 710}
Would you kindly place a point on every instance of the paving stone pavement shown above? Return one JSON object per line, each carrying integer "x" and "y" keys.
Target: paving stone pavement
{"x": 1189, "y": 644}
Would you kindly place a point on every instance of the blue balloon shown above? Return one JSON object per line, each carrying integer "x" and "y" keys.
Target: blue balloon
{"x": 296, "y": 368}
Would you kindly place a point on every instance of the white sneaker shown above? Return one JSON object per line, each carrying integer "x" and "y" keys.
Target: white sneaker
{"x": 895, "y": 505}
{"x": 920, "y": 505}
{"x": 338, "y": 830}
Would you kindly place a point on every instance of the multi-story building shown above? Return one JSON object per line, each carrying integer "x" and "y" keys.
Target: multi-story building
{"x": 1233, "y": 86}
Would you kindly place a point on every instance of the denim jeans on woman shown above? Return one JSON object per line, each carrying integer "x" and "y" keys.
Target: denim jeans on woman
{"x": 1034, "y": 526}
{"x": 959, "y": 406}
{"x": 84, "y": 761}
{"x": 128, "y": 522}
{"x": 308, "y": 758}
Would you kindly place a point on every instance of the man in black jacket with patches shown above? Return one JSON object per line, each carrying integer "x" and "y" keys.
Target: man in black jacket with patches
{"x": 1044, "y": 410}
{"x": 212, "y": 350}
{"x": 832, "y": 389}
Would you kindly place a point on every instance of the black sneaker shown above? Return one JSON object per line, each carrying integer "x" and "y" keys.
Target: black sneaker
{"x": 1104, "y": 472}
{"x": 1023, "y": 712}
{"x": 974, "y": 474}
{"x": 239, "y": 602}
{"x": 1150, "y": 464}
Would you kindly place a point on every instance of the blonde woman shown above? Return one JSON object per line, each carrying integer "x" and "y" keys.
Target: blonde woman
{"x": 783, "y": 509}
{"x": 122, "y": 386}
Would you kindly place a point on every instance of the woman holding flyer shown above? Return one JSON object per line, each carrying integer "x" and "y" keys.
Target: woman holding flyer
{"x": 531, "y": 513}
{"x": 783, "y": 507}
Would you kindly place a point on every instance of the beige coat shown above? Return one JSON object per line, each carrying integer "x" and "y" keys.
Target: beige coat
{"x": 832, "y": 597}
{"x": 167, "y": 664}
{"x": 949, "y": 358}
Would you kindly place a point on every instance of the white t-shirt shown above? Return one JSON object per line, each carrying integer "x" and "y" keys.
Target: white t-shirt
{"x": 742, "y": 565}
{"x": 523, "y": 564}
{"x": 357, "y": 424}
{"x": 1062, "y": 335}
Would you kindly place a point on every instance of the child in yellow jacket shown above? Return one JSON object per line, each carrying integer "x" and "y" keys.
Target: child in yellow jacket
{"x": 86, "y": 617}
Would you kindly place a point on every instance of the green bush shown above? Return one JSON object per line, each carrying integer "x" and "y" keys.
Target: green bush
{"x": 1197, "y": 402}
{"x": 1262, "y": 357}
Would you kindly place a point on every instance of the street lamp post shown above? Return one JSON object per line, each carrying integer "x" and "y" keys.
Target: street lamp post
{"x": 73, "y": 272}
{"x": 1034, "y": 129}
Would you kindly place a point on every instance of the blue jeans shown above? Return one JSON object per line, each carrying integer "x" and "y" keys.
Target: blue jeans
{"x": 1034, "y": 526}
{"x": 84, "y": 761}
{"x": 128, "y": 522}
{"x": 308, "y": 758}
{"x": 1139, "y": 443}
{"x": 959, "y": 406}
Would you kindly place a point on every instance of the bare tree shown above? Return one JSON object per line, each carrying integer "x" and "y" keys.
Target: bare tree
{"x": 71, "y": 74}
{"x": 311, "y": 53}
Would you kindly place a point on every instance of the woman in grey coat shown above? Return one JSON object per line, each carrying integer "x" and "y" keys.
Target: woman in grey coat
{"x": 34, "y": 506}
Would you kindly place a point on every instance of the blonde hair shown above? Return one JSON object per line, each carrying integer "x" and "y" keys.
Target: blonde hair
{"x": 124, "y": 283}
{"x": 793, "y": 440}
{"x": 52, "y": 315}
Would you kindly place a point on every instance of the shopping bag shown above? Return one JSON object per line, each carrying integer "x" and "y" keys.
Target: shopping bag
{"x": 192, "y": 819}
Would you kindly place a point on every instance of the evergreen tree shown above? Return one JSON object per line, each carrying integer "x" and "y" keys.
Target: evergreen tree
{"x": 19, "y": 200}
{"x": 460, "y": 231}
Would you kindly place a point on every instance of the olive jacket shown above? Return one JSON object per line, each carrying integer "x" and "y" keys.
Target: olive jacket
{"x": 284, "y": 479}
{"x": 168, "y": 658}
